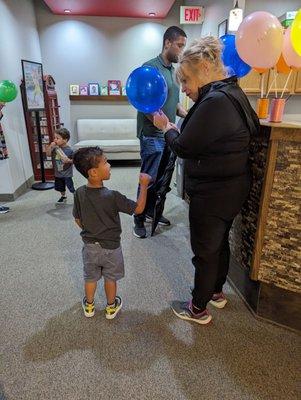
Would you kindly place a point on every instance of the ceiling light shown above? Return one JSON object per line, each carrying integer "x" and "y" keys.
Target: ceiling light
{"x": 152, "y": 14}
{"x": 67, "y": 11}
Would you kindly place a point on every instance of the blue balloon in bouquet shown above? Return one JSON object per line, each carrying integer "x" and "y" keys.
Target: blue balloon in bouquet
{"x": 146, "y": 89}
{"x": 231, "y": 58}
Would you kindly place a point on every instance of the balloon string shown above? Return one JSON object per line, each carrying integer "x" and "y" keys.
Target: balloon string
{"x": 261, "y": 85}
{"x": 287, "y": 79}
{"x": 271, "y": 85}
{"x": 275, "y": 72}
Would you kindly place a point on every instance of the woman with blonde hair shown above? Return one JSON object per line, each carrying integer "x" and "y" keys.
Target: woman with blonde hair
{"x": 214, "y": 142}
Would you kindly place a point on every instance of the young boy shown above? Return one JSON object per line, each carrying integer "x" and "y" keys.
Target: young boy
{"x": 61, "y": 155}
{"x": 96, "y": 212}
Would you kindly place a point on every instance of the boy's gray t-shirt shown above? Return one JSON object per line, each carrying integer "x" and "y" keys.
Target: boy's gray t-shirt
{"x": 62, "y": 170}
{"x": 98, "y": 210}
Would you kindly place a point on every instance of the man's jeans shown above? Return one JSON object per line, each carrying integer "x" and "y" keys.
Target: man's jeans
{"x": 151, "y": 150}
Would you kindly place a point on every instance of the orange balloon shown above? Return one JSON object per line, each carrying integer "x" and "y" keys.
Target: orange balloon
{"x": 282, "y": 66}
{"x": 261, "y": 70}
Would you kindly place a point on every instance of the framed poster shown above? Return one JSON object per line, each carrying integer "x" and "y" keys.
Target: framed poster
{"x": 74, "y": 90}
{"x": 93, "y": 89}
{"x": 114, "y": 87}
{"x": 83, "y": 90}
{"x": 33, "y": 83}
{"x": 222, "y": 28}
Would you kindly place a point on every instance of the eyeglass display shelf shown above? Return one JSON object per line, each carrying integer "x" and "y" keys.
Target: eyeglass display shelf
{"x": 98, "y": 98}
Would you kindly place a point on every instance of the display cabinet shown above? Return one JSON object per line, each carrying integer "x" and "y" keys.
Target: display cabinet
{"x": 49, "y": 121}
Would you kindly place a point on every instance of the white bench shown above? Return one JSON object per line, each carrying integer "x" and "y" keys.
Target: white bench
{"x": 117, "y": 137}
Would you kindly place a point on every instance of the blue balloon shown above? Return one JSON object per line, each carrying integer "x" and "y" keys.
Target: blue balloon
{"x": 146, "y": 89}
{"x": 231, "y": 58}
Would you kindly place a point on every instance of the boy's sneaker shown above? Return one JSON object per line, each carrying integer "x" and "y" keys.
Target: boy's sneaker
{"x": 184, "y": 311}
{"x": 162, "y": 221}
{"x": 112, "y": 310}
{"x": 139, "y": 229}
{"x": 218, "y": 300}
{"x": 62, "y": 200}
{"x": 4, "y": 210}
{"x": 89, "y": 308}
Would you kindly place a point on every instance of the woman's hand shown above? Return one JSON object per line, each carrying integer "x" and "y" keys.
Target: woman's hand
{"x": 160, "y": 120}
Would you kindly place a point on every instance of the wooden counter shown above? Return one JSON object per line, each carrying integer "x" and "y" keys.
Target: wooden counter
{"x": 266, "y": 236}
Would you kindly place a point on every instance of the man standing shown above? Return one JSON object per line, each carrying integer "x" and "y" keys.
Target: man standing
{"x": 152, "y": 141}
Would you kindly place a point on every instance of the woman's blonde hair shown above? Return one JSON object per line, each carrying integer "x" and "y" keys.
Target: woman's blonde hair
{"x": 207, "y": 49}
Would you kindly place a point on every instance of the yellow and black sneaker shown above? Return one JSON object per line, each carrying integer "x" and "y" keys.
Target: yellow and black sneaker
{"x": 112, "y": 309}
{"x": 89, "y": 308}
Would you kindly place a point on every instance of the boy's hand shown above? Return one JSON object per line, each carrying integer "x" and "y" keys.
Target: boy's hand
{"x": 52, "y": 144}
{"x": 144, "y": 179}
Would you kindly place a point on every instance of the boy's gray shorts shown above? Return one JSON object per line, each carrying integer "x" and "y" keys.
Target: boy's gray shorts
{"x": 100, "y": 262}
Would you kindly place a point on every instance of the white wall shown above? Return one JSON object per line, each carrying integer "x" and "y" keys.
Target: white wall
{"x": 96, "y": 49}
{"x": 18, "y": 40}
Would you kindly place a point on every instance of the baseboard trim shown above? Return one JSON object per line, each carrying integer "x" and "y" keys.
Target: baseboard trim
{"x": 266, "y": 301}
{"x": 6, "y": 197}
{"x": 280, "y": 305}
{"x": 240, "y": 279}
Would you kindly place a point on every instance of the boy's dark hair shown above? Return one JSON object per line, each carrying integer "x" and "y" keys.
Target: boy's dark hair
{"x": 172, "y": 33}
{"x": 87, "y": 158}
{"x": 64, "y": 133}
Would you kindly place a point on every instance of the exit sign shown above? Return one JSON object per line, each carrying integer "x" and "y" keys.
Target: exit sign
{"x": 191, "y": 15}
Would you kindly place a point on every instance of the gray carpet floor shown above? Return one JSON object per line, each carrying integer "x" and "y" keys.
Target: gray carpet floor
{"x": 49, "y": 350}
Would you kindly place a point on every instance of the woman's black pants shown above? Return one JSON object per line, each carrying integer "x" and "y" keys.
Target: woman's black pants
{"x": 210, "y": 224}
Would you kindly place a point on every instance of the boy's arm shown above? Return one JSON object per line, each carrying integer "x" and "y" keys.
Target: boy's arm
{"x": 75, "y": 212}
{"x": 144, "y": 180}
{"x": 49, "y": 149}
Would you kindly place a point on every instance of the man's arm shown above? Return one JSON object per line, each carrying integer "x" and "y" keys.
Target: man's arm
{"x": 181, "y": 112}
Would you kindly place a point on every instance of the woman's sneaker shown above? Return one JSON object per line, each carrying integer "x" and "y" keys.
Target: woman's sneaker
{"x": 218, "y": 300}
{"x": 112, "y": 310}
{"x": 184, "y": 311}
{"x": 89, "y": 308}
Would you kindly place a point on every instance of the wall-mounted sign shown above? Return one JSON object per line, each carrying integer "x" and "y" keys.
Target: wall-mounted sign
{"x": 191, "y": 15}
{"x": 287, "y": 18}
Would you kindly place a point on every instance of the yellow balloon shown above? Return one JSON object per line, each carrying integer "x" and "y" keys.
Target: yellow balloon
{"x": 296, "y": 33}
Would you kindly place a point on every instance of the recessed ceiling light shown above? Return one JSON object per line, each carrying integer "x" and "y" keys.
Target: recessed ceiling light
{"x": 152, "y": 14}
{"x": 67, "y": 11}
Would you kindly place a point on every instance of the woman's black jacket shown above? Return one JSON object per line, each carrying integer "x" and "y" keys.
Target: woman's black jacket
{"x": 215, "y": 136}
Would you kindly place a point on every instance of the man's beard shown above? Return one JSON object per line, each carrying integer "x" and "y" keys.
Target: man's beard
{"x": 172, "y": 58}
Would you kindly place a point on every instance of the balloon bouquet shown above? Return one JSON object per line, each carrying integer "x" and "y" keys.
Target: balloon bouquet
{"x": 260, "y": 43}
{"x": 8, "y": 92}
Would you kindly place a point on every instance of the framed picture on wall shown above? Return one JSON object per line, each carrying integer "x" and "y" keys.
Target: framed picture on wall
{"x": 104, "y": 90}
{"x": 74, "y": 90}
{"x": 33, "y": 83}
{"x": 93, "y": 89}
{"x": 83, "y": 90}
{"x": 114, "y": 88}
{"x": 222, "y": 28}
